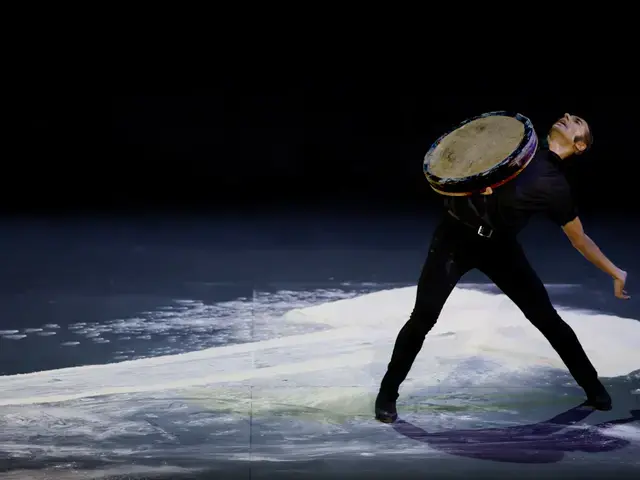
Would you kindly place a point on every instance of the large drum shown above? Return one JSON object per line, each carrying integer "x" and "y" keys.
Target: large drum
{"x": 484, "y": 151}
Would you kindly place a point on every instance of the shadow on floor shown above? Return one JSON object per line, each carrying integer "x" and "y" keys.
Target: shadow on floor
{"x": 543, "y": 442}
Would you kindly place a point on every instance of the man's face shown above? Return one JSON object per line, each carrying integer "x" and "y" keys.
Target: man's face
{"x": 569, "y": 129}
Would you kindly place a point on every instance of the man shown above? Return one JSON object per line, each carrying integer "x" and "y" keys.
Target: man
{"x": 480, "y": 232}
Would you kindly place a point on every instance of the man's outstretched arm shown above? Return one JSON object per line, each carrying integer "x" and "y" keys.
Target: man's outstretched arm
{"x": 591, "y": 252}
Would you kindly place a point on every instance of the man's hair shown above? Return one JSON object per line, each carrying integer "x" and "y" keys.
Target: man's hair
{"x": 586, "y": 137}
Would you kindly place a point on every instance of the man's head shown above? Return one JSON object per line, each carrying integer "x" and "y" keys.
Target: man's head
{"x": 570, "y": 135}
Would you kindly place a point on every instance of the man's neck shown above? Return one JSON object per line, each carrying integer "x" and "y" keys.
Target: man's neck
{"x": 560, "y": 150}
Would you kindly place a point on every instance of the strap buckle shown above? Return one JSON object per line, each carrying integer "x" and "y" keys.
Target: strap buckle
{"x": 485, "y": 231}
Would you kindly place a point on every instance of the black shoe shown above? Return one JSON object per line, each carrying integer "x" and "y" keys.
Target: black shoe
{"x": 598, "y": 398}
{"x": 386, "y": 408}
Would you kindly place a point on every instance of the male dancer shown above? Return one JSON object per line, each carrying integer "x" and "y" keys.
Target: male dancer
{"x": 480, "y": 232}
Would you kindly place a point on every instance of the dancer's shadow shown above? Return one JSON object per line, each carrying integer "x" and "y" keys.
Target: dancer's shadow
{"x": 544, "y": 442}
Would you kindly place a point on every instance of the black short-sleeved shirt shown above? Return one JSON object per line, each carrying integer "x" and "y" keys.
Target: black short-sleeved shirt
{"x": 541, "y": 188}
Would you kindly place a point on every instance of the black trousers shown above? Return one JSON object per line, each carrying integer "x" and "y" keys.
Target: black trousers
{"x": 456, "y": 249}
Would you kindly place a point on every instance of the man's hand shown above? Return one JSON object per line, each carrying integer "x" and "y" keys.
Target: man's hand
{"x": 618, "y": 285}
{"x": 591, "y": 252}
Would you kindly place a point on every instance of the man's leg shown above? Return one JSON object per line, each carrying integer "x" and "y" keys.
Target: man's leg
{"x": 446, "y": 262}
{"x": 507, "y": 266}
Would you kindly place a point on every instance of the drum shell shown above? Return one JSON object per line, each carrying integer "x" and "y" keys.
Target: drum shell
{"x": 493, "y": 177}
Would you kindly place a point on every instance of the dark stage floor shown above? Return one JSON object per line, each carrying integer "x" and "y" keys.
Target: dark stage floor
{"x": 251, "y": 347}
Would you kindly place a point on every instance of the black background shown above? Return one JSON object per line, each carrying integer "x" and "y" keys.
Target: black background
{"x": 340, "y": 143}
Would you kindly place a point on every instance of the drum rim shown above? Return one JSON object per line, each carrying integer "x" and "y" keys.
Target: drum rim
{"x": 519, "y": 158}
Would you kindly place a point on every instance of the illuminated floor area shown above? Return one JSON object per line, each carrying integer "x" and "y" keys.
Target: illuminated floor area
{"x": 487, "y": 397}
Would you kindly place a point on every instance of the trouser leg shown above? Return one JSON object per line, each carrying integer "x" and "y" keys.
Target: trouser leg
{"x": 508, "y": 267}
{"x": 445, "y": 264}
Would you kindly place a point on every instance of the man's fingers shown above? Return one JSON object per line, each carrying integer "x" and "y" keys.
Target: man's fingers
{"x": 618, "y": 287}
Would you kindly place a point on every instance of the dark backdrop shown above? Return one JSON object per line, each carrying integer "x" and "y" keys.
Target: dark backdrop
{"x": 344, "y": 143}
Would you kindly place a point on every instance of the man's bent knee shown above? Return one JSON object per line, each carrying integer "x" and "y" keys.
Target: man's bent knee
{"x": 422, "y": 320}
{"x": 541, "y": 311}
{"x": 548, "y": 321}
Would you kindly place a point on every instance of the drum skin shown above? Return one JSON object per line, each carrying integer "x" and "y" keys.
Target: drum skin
{"x": 502, "y": 171}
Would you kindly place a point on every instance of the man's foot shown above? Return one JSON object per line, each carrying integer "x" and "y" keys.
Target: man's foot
{"x": 598, "y": 398}
{"x": 386, "y": 408}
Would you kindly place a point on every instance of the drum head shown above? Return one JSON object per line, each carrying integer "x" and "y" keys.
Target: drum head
{"x": 484, "y": 151}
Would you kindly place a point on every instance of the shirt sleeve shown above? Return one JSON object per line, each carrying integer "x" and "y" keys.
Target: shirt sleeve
{"x": 562, "y": 208}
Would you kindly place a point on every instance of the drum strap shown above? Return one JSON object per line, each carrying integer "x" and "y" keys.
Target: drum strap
{"x": 479, "y": 208}
{"x": 481, "y": 230}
